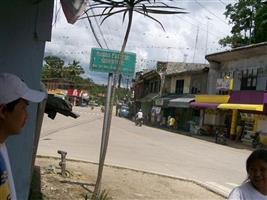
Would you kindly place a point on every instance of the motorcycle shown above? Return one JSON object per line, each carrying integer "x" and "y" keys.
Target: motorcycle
{"x": 256, "y": 143}
{"x": 220, "y": 136}
{"x": 139, "y": 122}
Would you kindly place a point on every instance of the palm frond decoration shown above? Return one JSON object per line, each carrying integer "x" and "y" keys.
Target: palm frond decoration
{"x": 108, "y": 8}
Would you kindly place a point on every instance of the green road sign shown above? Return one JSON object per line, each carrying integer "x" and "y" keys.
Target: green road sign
{"x": 104, "y": 60}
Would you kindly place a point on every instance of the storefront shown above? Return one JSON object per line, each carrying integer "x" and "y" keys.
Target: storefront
{"x": 249, "y": 115}
{"x": 209, "y": 114}
{"x": 146, "y": 106}
{"x": 182, "y": 111}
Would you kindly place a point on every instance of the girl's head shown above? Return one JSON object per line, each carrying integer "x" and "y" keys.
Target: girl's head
{"x": 257, "y": 169}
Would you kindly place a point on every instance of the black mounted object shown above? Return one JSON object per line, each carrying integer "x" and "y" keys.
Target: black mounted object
{"x": 56, "y": 105}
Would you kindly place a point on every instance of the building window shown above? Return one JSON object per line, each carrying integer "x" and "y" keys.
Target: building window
{"x": 179, "y": 87}
{"x": 156, "y": 86}
{"x": 194, "y": 90}
{"x": 249, "y": 79}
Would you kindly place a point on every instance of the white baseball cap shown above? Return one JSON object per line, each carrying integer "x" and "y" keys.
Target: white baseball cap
{"x": 13, "y": 88}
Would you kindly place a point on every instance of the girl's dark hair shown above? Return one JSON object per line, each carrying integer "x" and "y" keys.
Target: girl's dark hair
{"x": 259, "y": 154}
{"x": 10, "y": 106}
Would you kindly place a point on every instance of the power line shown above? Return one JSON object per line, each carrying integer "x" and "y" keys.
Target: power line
{"x": 222, "y": 2}
{"x": 93, "y": 30}
{"x": 210, "y": 12}
{"x": 200, "y": 23}
{"x": 101, "y": 33}
{"x": 203, "y": 29}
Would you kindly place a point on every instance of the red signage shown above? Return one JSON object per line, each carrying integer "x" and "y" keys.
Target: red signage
{"x": 74, "y": 92}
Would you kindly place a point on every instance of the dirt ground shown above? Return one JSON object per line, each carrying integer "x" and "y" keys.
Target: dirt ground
{"x": 120, "y": 183}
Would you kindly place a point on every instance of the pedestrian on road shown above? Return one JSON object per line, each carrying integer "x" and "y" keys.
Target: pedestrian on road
{"x": 255, "y": 187}
{"x": 14, "y": 98}
{"x": 171, "y": 122}
{"x": 139, "y": 114}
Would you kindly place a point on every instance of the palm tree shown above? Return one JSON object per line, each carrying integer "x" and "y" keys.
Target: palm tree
{"x": 126, "y": 7}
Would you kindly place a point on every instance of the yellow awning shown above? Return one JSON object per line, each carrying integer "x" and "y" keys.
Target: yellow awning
{"x": 207, "y": 98}
{"x": 235, "y": 106}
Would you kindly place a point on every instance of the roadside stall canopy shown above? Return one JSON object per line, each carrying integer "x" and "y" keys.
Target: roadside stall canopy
{"x": 246, "y": 100}
{"x": 209, "y": 101}
{"x": 164, "y": 100}
{"x": 149, "y": 97}
{"x": 235, "y": 106}
{"x": 180, "y": 102}
{"x": 204, "y": 105}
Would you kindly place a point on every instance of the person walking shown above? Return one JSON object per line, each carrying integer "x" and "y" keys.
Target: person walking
{"x": 139, "y": 117}
{"x": 15, "y": 96}
{"x": 255, "y": 187}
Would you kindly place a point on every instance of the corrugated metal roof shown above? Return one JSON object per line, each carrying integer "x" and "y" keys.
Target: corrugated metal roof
{"x": 239, "y": 52}
{"x": 177, "y": 68}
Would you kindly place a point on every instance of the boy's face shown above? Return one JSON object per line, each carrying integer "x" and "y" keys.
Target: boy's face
{"x": 14, "y": 120}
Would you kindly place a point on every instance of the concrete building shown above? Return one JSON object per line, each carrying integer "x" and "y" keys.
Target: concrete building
{"x": 240, "y": 73}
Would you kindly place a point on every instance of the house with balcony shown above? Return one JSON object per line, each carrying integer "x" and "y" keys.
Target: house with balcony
{"x": 146, "y": 88}
{"x": 180, "y": 83}
{"x": 239, "y": 77}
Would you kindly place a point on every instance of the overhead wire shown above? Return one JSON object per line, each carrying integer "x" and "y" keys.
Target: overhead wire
{"x": 210, "y": 12}
{"x": 100, "y": 31}
{"x": 93, "y": 31}
{"x": 222, "y": 2}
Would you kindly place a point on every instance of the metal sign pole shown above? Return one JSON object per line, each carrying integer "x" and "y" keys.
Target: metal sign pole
{"x": 105, "y": 135}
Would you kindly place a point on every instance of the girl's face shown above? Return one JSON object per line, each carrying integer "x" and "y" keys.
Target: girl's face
{"x": 258, "y": 175}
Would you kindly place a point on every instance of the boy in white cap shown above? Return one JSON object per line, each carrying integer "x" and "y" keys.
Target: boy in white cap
{"x": 14, "y": 99}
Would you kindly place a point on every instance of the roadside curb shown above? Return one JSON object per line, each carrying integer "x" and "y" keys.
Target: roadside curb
{"x": 199, "y": 183}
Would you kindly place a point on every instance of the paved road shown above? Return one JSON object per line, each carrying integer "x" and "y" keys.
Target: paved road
{"x": 145, "y": 148}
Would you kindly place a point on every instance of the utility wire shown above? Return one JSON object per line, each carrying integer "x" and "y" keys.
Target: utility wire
{"x": 203, "y": 29}
{"x": 101, "y": 33}
{"x": 222, "y": 2}
{"x": 93, "y": 30}
{"x": 210, "y": 12}
{"x": 200, "y": 23}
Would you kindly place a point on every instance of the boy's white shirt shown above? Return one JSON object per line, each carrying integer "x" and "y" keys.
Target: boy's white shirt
{"x": 3, "y": 151}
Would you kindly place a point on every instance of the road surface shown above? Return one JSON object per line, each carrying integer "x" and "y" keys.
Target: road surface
{"x": 145, "y": 148}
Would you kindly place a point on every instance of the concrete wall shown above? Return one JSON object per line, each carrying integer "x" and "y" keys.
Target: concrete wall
{"x": 186, "y": 79}
{"x": 235, "y": 67}
{"x": 25, "y": 26}
{"x": 214, "y": 73}
{"x": 199, "y": 81}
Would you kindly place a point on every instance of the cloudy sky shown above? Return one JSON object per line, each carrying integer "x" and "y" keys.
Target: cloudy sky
{"x": 187, "y": 37}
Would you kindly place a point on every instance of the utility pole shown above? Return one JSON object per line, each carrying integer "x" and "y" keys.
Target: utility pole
{"x": 185, "y": 56}
{"x": 168, "y": 48}
{"x": 195, "y": 44}
{"x": 207, "y": 36}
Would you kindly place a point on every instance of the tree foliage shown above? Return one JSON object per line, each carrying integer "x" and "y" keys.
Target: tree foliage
{"x": 261, "y": 24}
{"x": 54, "y": 67}
{"x": 247, "y": 18}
